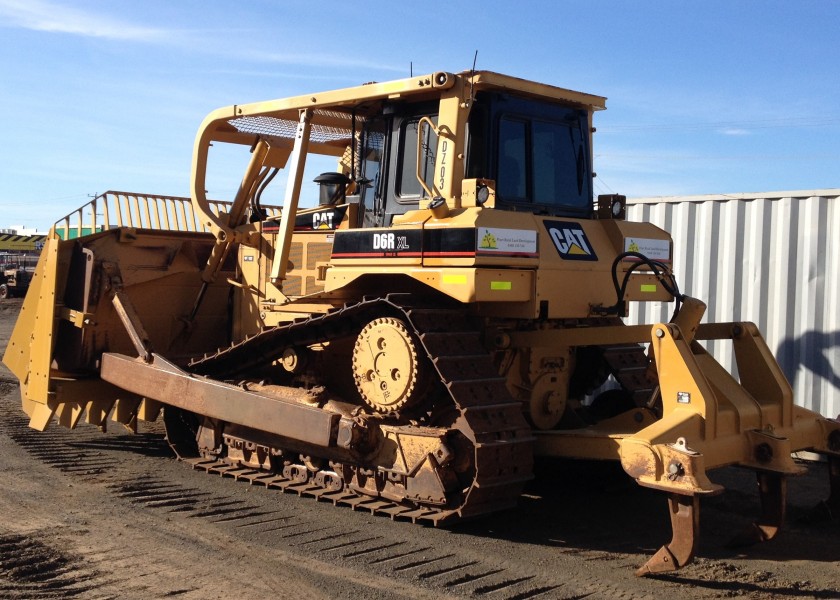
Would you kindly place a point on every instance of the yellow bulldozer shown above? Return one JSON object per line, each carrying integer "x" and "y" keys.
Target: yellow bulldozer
{"x": 450, "y": 308}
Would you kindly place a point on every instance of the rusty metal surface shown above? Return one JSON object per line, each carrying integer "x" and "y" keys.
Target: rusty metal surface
{"x": 685, "y": 528}
{"x": 166, "y": 383}
{"x": 128, "y": 315}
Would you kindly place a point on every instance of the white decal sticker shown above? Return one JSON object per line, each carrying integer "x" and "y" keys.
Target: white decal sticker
{"x": 653, "y": 249}
{"x": 506, "y": 241}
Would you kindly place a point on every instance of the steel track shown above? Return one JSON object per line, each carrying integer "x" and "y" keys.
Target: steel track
{"x": 487, "y": 414}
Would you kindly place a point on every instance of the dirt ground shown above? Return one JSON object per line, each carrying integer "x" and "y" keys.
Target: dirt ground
{"x": 92, "y": 515}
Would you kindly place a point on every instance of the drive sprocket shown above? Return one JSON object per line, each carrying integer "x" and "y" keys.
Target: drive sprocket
{"x": 387, "y": 367}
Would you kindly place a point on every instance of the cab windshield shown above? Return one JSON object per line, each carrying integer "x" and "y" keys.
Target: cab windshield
{"x": 536, "y": 152}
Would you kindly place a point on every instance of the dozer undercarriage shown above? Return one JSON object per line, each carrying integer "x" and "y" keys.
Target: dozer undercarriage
{"x": 443, "y": 440}
{"x": 410, "y": 345}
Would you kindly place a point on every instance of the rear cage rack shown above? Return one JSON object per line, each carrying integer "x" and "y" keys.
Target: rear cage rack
{"x": 111, "y": 210}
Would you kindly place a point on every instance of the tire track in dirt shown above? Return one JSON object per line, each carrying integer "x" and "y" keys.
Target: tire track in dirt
{"x": 31, "y": 568}
{"x": 116, "y": 463}
{"x": 136, "y": 474}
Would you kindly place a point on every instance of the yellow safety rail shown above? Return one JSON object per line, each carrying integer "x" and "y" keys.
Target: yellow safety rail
{"x": 143, "y": 211}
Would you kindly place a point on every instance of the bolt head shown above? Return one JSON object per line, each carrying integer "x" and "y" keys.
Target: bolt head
{"x": 763, "y": 453}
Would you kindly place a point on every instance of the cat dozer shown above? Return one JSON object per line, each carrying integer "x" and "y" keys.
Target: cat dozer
{"x": 442, "y": 314}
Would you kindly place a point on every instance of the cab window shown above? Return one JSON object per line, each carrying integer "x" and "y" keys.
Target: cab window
{"x": 408, "y": 188}
{"x": 537, "y": 153}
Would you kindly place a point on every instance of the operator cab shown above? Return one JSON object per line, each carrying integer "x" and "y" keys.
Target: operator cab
{"x": 537, "y": 153}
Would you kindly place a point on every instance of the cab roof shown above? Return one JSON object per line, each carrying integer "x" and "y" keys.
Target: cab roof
{"x": 333, "y": 111}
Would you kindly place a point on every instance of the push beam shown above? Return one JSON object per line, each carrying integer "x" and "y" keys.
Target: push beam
{"x": 166, "y": 383}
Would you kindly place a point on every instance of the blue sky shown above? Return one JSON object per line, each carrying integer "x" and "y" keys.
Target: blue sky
{"x": 703, "y": 97}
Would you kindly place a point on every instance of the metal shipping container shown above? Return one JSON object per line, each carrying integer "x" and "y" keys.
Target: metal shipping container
{"x": 773, "y": 259}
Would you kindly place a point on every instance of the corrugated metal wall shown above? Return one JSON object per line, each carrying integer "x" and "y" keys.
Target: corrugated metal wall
{"x": 773, "y": 259}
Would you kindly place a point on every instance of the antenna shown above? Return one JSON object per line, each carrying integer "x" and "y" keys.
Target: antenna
{"x": 472, "y": 78}
{"x": 411, "y": 69}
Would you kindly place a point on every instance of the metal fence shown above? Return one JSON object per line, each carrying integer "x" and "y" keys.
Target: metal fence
{"x": 773, "y": 259}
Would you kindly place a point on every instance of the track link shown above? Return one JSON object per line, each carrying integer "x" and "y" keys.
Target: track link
{"x": 487, "y": 414}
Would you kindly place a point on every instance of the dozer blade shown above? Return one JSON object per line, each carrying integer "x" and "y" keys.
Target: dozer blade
{"x": 772, "y": 489}
{"x": 685, "y": 528}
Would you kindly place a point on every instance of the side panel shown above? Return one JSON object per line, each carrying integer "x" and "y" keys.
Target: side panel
{"x": 558, "y": 267}
{"x": 30, "y": 346}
